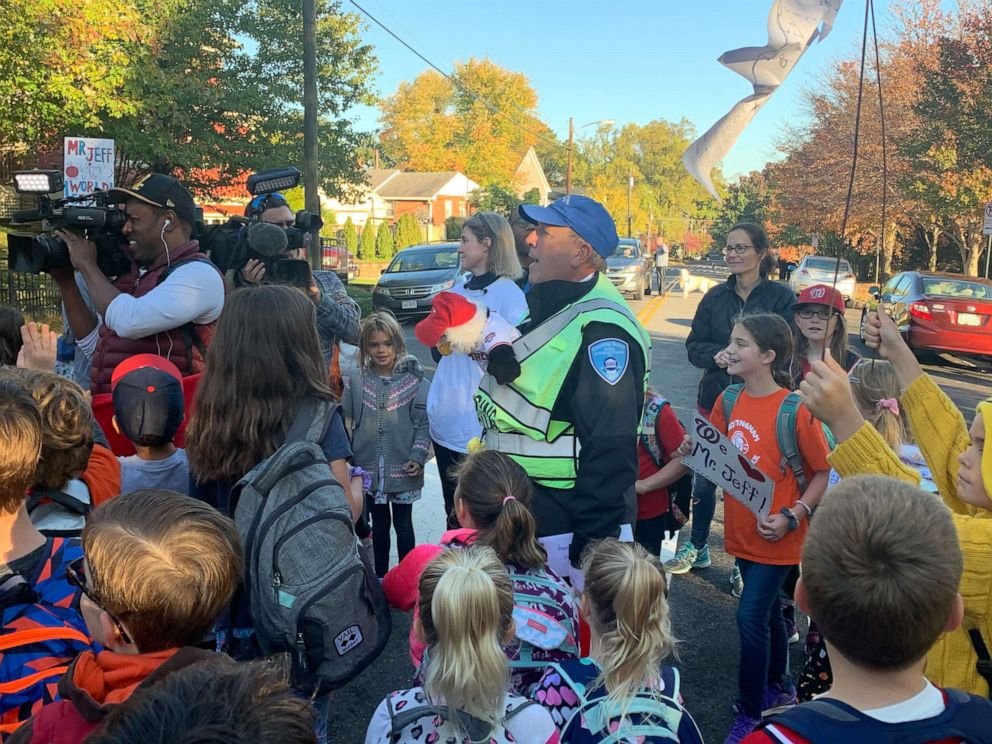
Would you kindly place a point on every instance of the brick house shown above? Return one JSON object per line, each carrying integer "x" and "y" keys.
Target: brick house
{"x": 431, "y": 197}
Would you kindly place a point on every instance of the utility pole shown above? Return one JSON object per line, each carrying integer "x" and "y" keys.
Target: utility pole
{"x": 311, "y": 173}
{"x": 630, "y": 217}
{"x": 571, "y": 145}
{"x": 988, "y": 252}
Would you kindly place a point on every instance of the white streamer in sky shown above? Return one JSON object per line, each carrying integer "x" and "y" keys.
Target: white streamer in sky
{"x": 793, "y": 25}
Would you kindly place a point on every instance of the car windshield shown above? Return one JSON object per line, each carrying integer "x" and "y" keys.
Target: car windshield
{"x": 960, "y": 288}
{"x": 626, "y": 251}
{"x": 829, "y": 264}
{"x": 423, "y": 261}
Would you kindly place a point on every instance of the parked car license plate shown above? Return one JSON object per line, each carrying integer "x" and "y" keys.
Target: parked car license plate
{"x": 412, "y": 305}
{"x": 969, "y": 319}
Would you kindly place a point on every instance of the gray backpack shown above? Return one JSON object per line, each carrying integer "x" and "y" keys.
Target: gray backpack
{"x": 312, "y": 592}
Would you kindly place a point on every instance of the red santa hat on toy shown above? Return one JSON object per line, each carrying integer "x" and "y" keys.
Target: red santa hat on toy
{"x": 456, "y": 320}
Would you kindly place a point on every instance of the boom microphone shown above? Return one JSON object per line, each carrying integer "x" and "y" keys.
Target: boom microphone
{"x": 265, "y": 239}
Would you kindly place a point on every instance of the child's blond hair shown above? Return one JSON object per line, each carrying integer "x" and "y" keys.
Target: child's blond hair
{"x": 381, "y": 321}
{"x": 881, "y": 567}
{"x": 872, "y": 383}
{"x": 627, "y": 597}
{"x": 20, "y": 443}
{"x": 163, "y": 563}
{"x": 466, "y": 613}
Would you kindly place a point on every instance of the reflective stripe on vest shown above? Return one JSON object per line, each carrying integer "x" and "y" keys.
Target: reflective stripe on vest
{"x": 517, "y": 418}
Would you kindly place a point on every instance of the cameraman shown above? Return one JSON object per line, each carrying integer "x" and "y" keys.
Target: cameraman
{"x": 337, "y": 314}
{"x": 166, "y": 305}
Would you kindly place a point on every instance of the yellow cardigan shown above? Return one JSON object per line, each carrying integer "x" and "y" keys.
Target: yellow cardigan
{"x": 941, "y": 434}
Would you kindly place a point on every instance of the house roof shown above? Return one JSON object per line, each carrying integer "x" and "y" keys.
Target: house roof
{"x": 378, "y": 176}
{"x": 413, "y": 185}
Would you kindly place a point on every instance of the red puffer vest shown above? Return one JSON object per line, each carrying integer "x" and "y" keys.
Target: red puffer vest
{"x": 183, "y": 346}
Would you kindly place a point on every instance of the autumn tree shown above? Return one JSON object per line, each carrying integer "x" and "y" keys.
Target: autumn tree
{"x": 434, "y": 124}
{"x": 747, "y": 200}
{"x": 948, "y": 148}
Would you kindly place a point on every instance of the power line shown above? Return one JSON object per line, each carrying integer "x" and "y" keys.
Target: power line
{"x": 472, "y": 94}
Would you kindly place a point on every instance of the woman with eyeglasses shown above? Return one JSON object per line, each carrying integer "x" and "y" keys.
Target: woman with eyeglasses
{"x": 820, "y": 325}
{"x": 747, "y": 290}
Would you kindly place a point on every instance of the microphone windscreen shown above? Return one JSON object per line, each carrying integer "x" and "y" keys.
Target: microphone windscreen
{"x": 267, "y": 239}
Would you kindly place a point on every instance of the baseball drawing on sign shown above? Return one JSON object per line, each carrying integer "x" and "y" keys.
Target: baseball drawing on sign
{"x": 716, "y": 458}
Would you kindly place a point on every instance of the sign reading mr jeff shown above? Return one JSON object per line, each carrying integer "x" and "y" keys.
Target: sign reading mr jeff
{"x": 716, "y": 458}
{"x": 89, "y": 165}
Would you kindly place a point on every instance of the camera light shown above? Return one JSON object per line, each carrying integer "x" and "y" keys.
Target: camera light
{"x": 37, "y": 182}
{"x": 278, "y": 179}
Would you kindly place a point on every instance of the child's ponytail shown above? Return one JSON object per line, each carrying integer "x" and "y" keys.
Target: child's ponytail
{"x": 627, "y": 597}
{"x": 498, "y": 495}
{"x": 875, "y": 388}
{"x": 465, "y": 612}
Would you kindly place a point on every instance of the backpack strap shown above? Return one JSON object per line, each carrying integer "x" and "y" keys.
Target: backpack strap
{"x": 788, "y": 445}
{"x": 649, "y": 429}
{"x": 312, "y": 421}
{"x": 984, "y": 663}
{"x": 71, "y": 503}
{"x": 729, "y": 399}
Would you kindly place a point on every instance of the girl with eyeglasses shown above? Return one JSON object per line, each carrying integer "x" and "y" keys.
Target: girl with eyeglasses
{"x": 819, "y": 317}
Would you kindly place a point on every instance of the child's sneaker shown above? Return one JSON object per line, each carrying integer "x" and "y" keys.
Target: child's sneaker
{"x": 777, "y": 699}
{"x": 683, "y": 559}
{"x": 702, "y": 558}
{"x": 742, "y": 726}
{"x": 736, "y": 582}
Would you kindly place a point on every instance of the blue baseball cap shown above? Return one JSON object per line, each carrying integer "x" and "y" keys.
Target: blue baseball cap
{"x": 587, "y": 217}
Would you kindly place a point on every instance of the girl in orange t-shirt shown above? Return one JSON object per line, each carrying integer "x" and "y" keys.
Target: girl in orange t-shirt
{"x": 759, "y": 354}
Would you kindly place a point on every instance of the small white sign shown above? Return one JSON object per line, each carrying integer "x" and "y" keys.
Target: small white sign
{"x": 89, "y": 165}
{"x": 987, "y": 225}
{"x": 716, "y": 458}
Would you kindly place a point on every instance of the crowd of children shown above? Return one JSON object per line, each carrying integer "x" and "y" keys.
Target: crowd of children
{"x": 131, "y": 585}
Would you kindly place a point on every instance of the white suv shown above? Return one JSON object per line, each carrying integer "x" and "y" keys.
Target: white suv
{"x": 820, "y": 270}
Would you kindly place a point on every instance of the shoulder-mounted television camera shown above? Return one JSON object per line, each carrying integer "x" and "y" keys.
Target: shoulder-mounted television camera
{"x": 240, "y": 239}
{"x": 92, "y": 215}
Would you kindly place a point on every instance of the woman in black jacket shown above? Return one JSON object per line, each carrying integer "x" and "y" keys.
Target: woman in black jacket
{"x": 747, "y": 290}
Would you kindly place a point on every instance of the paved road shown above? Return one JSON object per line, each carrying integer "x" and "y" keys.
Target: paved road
{"x": 702, "y": 608}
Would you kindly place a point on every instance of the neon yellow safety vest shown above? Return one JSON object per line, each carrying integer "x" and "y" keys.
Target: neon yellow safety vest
{"x": 517, "y": 418}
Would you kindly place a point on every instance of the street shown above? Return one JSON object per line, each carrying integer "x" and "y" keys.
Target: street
{"x": 702, "y": 609}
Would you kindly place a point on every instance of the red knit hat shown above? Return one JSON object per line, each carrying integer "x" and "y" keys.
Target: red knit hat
{"x": 449, "y": 310}
{"x": 820, "y": 294}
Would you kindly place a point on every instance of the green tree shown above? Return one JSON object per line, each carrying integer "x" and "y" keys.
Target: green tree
{"x": 366, "y": 246}
{"x": 350, "y": 237}
{"x": 453, "y": 228}
{"x": 384, "y": 248}
{"x": 748, "y": 200}
{"x": 430, "y": 124}
{"x": 407, "y": 232}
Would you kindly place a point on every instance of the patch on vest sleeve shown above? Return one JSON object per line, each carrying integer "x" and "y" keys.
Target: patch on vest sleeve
{"x": 609, "y": 358}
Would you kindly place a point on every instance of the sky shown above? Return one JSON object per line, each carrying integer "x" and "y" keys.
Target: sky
{"x": 629, "y": 60}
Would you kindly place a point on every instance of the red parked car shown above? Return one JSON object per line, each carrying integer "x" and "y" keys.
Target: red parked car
{"x": 939, "y": 312}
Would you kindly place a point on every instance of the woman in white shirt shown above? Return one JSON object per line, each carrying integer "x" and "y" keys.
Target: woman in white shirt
{"x": 488, "y": 255}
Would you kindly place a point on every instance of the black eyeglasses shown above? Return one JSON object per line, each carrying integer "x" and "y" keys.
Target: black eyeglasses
{"x": 807, "y": 312}
{"x": 77, "y": 577}
{"x": 740, "y": 249}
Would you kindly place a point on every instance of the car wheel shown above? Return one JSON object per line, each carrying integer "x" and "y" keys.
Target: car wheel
{"x": 639, "y": 294}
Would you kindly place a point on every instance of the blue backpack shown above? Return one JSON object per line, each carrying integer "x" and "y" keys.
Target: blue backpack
{"x": 826, "y": 721}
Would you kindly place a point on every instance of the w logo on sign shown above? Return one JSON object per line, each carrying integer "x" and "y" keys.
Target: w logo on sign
{"x": 817, "y": 293}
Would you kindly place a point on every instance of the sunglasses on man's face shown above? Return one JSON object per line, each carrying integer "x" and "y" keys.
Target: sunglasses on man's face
{"x": 77, "y": 577}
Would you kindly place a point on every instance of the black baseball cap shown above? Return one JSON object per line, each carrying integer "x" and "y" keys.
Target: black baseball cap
{"x": 148, "y": 400}
{"x": 162, "y": 191}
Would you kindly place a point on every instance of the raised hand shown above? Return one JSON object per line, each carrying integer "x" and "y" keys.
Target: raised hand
{"x": 39, "y": 349}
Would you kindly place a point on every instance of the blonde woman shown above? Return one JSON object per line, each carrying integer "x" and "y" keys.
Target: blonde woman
{"x": 625, "y": 602}
{"x": 489, "y": 257}
{"x": 465, "y": 614}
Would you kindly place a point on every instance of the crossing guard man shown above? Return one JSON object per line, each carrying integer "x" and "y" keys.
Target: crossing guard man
{"x": 570, "y": 419}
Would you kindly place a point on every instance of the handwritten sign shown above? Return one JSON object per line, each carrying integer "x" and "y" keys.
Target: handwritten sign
{"x": 89, "y": 165}
{"x": 716, "y": 458}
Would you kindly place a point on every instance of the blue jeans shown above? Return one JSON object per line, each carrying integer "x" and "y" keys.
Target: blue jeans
{"x": 764, "y": 644}
{"x": 703, "y": 506}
